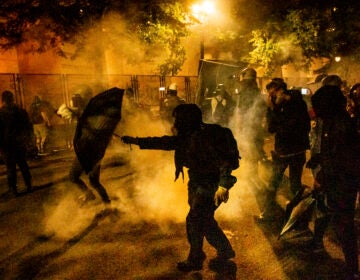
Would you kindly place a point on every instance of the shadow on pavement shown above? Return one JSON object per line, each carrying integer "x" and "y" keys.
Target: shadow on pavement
{"x": 294, "y": 253}
{"x": 30, "y": 266}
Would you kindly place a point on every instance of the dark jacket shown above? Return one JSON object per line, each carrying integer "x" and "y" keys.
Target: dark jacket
{"x": 209, "y": 153}
{"x": 16, "y": 128}
{"x": 290, "y": 122}
{"x": 340, "y": 146}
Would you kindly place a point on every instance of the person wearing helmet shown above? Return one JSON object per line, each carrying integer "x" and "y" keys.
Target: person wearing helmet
{"x": 210, "y": 153}
{"x": 168, "y": 104}
{"x": 222, "y": 106}
{"x": 251, "y": 115}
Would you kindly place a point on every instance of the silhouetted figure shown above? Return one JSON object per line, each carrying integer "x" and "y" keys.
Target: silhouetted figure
{"x": 210, "y": 153}
{"x": 40, "y": 119}
{"x": 353, "y": 106}
{"x": 289, "y": 120}
{"x": 338, "y": 175}
{"x": 168, "y": 104}
{"x": 222, "y": 106}
{"x": 15, "y": 134}
{"x": 78, "y": 105}
{"x": 251, "y": 112}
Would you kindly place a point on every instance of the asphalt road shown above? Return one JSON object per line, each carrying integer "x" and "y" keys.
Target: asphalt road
{"x": 51, "y": 234}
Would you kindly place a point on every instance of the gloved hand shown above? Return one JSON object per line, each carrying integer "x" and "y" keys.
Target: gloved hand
{"x": 221, "y": 195}
{"x": 130, "y": 140}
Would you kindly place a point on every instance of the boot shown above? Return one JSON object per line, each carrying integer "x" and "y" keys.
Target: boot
{"x": 191, "y": 263}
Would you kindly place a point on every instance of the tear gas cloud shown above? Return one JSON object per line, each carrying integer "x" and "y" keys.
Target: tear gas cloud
{"x": 144, "y": 187}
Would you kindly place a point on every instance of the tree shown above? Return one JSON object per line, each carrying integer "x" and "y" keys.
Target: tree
{"x": 264, "y": 32}
{"x": 51, "y": 24}
{"x": 299, "y": 31}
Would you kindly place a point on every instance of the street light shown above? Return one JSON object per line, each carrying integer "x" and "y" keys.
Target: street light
{"x": 201, "y": 11}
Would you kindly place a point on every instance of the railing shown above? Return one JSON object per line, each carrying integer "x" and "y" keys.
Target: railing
{"x": 58, "y": 88}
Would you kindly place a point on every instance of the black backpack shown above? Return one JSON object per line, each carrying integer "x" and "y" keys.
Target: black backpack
{"x": 216, "y": 145}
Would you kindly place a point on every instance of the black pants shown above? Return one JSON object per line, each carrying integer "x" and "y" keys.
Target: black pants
{"x": 295, "y": 164}
{"x": 200, "y": 223}
{"x": 12, "y": 157}
{"x": 341, "y": 193}
{"x": 94, "y": 178}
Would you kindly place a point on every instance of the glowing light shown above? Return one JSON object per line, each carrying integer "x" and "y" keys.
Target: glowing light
{"x": 201, "y": 11}
{"x": 337, "y": 58}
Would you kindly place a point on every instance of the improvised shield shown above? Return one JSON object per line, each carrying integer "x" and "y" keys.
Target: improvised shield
{"x": 96, "y": 126}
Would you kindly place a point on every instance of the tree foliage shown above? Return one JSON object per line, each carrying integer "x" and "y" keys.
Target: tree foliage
{"x": 49, "y": 24}
{"x": 264, "y": 32}
{"x": 315, "y": 28}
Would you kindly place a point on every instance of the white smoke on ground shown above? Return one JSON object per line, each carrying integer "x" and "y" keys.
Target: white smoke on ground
{"x": 156, "y": 196}
{"x": 150, "y": 192}
{"x": 65, "y": 216}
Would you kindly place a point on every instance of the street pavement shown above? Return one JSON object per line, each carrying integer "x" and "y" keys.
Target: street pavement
{"x": 52, "y": 234}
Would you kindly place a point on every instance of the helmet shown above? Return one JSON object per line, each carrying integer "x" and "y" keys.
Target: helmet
{"x": 332, "y": 80}
{"x": 249, "y": 73}
{"x": 172, "y": 89}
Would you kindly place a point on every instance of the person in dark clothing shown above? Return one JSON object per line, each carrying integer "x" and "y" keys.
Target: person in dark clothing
{"x": 353, "y": 106}
{"x": 251, "y": 112}
{"x": 288, "y": 119}
{"x": 210, "y": 153}
{"x": 16, "y": 132}
{"x": 248, "y": 90}
{"x": 168, "y": 104}
{"x": 338, "y": 178}
{"x": 75, "y": 173}
{"x": 222, "y": 106}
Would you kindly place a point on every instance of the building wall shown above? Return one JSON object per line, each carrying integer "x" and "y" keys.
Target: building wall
{"x": 9, "y": 61}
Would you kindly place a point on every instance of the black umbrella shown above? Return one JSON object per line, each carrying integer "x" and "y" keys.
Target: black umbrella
{"x": 96, "y": 126}
{"x": 297, "y": 212}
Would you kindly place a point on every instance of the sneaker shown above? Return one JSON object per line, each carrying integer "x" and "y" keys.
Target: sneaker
{"x": 187, "y": 266}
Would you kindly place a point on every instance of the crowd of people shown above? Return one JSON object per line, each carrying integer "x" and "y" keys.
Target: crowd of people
{"x": 329, "y": 128}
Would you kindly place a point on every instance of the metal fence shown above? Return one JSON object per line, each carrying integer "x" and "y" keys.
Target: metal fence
{"x": 58, "y": 89}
